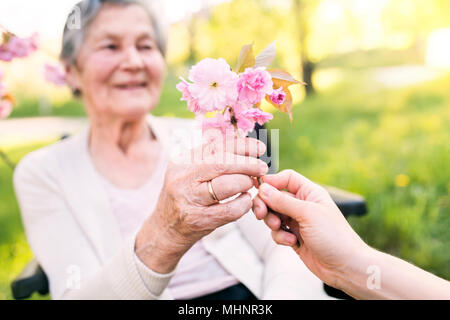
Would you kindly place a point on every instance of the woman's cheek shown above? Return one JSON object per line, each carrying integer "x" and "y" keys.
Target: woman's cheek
{"x": 155, "y": 66}
{"x": 101, "y": 66}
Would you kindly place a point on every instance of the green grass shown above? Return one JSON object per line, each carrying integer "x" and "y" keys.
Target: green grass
{"x": 352, "y": 136}
{"x": 14, "y": 250}
{"x": 358, "y": 139}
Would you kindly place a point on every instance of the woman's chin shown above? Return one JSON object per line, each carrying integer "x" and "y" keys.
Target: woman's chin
{"x": 131, "y": 112}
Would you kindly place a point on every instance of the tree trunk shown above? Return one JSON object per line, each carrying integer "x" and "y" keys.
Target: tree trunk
{"x": 192, "y": 54}
{"x": 308, "y": 68}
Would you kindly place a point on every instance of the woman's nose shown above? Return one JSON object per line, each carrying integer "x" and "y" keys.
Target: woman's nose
{"x": 132, "y": 59}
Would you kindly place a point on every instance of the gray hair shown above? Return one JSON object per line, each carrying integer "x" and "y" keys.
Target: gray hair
{"x": 85, "y": 12}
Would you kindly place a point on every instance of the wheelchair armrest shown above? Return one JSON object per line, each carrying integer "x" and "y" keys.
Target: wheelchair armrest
{"x": 31, "y": 279}
{"x": 349, "y": 203}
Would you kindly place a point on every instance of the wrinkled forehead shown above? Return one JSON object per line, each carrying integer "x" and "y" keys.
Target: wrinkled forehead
{"x": 120, "y": 21}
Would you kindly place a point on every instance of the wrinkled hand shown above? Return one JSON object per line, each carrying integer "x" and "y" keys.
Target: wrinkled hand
{"x": 186, "y": 204}
{"x": 327, "y": 240}
{"x": 186, "y": 211}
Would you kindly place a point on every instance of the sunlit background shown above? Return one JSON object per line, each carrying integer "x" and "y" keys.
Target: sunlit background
{"x": 374, "y": 118}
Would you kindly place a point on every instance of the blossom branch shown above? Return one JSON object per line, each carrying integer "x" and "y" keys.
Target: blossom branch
{"x": 6, "y": 159}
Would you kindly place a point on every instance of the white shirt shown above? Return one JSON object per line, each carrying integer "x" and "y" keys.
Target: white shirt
{"x": 198, "y": 273}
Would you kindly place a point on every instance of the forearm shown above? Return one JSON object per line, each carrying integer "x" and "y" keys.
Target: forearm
{"x": 377, "y": 275}
{"x": 158, "y": 248}
{"x": 119, "y": 278}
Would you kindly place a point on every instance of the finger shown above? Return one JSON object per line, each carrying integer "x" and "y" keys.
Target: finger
{"x": 272, "y": 221}
{"x": 250, "y": 147}
{"x": 275, "y": 221}
{"x": 259, "y": 208}
{"x": 232, "y": 164}
{"x": 283, "y": 203}
{"x": 287, "y": 193}
{"x": 224, "y": 187}
{"x": 284, "y": 238}
{"x": 299, "y": 185}
{"x": 228, "y": 185}
{"x": 290, "y": 180}
{"x": 229, "y": 211}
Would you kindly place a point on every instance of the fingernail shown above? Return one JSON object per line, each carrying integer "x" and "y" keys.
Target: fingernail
{"x": 261, "y": 147}
{"x": 263, "y": 168}
{"x": 288, "y": 240}
{"x": 265, "y": 190}
{"x": 273, "y": 219}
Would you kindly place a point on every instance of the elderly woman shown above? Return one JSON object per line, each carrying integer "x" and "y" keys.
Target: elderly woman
{"x": 106, "y": 213}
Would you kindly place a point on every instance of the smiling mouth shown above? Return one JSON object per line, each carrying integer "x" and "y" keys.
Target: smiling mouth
{"x": 132, "y": 86}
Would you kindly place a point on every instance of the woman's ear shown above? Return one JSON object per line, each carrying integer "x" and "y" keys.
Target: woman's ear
{"x": 73, "y": 78}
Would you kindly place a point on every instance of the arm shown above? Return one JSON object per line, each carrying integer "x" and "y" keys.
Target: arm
{"x": 347, "y": 264}
{"x": 61, "y": 247}
{"x": 377, "y": 275}
{"x": 185, "y": 213}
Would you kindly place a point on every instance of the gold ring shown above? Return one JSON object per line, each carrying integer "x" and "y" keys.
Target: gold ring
{"x": 211, "y": 191}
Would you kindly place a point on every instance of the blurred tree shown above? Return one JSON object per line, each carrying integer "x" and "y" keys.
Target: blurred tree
{"x": 230, "y": 25}
{"x": 203, "y": 14}
{"x": 233, "y": 24}
{"x": 416, "y": 19}
{"x": 191, "y": 32}
{"x": 417, "y": 16}
{"x": 303, "y": 10}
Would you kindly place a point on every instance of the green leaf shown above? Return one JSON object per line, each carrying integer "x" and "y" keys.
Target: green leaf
{"x": 266, "y": 57}
{"x": 283, "y": 79}
{"x": 246, "y": 58}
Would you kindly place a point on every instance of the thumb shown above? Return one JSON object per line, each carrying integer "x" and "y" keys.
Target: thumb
{"x": 283, "y": 203}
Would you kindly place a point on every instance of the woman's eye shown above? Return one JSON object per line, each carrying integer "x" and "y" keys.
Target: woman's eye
{"x": 145, "y": 47}
{"x": 111, "y": 47}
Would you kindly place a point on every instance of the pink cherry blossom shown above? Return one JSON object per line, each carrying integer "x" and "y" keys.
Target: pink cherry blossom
{"x": 5, "y": 108}
{"x": 220, "y": 122}
{"x": 214, "y": 84}
{"x": 247, "y": 117}
{"x": 257, "y": 115}
{"x": 278, "y": 96}
{"x": 5, "y": 55}
{"x": 192, "y": 103}
{"x": 5, "y": 103}
{"x": 244, "y": 124}
{"x": 18, "y": 47}
{"x": 54, "y": 74}
{"x": 253, "y": 85}
{"x": 2, "y": 87}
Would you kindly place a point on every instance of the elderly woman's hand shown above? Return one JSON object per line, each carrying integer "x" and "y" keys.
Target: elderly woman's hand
{"x": 187, "y": 211}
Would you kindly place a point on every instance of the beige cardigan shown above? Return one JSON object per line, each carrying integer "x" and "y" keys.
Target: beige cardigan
{"x": 76, "y": 239}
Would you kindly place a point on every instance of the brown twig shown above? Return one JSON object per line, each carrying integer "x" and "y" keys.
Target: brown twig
{"x": 6, "y": 159}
